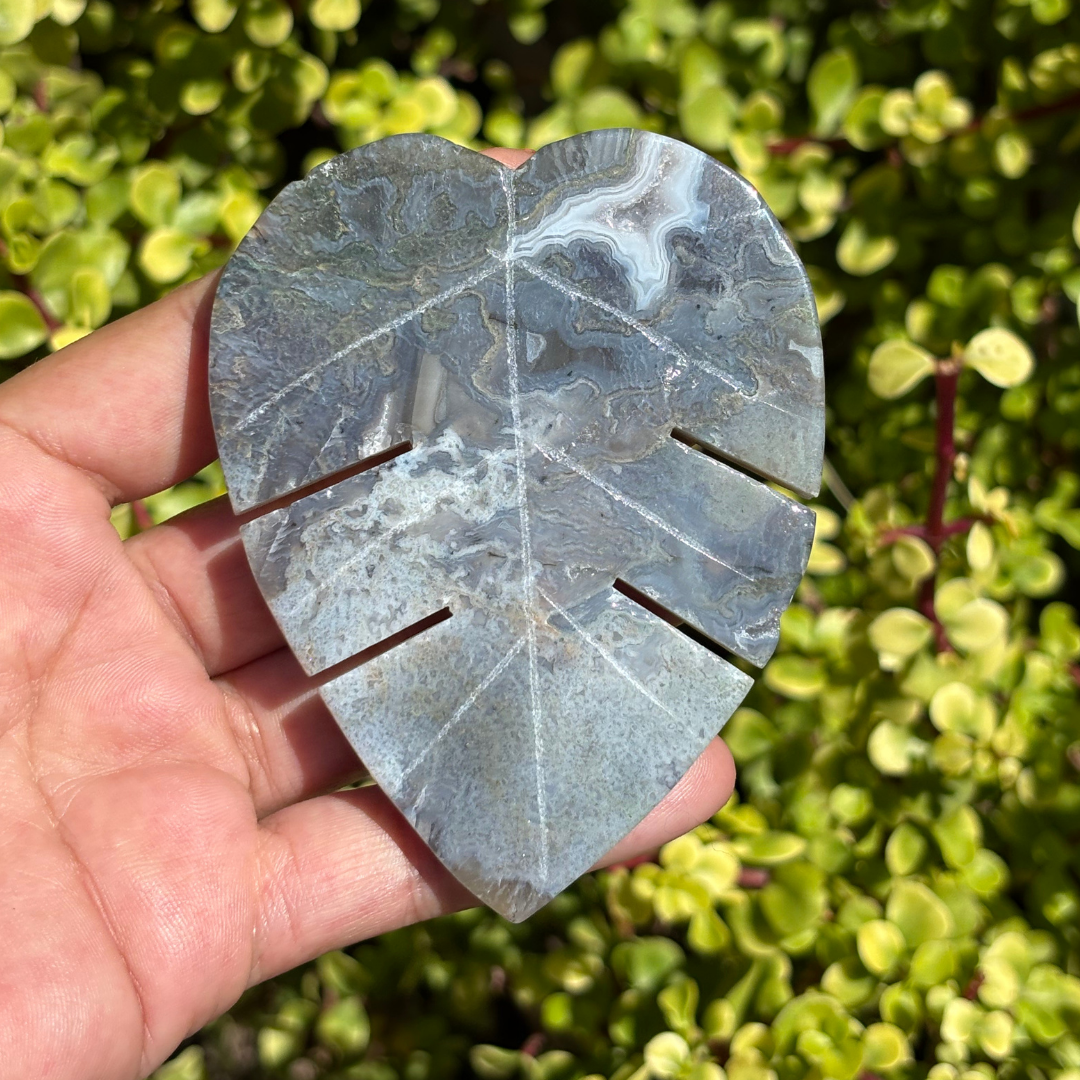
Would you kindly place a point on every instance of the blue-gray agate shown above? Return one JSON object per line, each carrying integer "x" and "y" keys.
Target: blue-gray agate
{"x": 536, "y": 335}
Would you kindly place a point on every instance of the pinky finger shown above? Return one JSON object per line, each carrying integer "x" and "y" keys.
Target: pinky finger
{"x": 340, "y": 868}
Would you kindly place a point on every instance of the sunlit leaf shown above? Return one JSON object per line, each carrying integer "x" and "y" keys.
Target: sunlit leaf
{"x": 861, "y": 252}
{"x": 21, "y": 326}
{"x": 337, "y": 15}
{"x": 1000, "y": 357}
{"x": 831, "y": 87}
{"x": 17, "y": 18}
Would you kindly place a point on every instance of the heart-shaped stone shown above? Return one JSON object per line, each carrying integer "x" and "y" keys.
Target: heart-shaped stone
{"x": 545, "y": 367}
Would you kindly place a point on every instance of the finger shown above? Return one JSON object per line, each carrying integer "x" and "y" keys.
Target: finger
{"x": 338, "y": 869}
{"x": 196, "y": 567}
{"x": 505, "y": 156}
{"x": 343, "y": 867}
{"x": 292, "y": 746}
{"x": 128, "y": 404}
{"x": 697, "y": 796}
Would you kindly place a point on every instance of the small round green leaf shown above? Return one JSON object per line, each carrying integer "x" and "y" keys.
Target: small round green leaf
{"x": 831, "y": 87}
{"x": 665, "y": 1055}
{"x": 1012, "y": 154}
{"x": 956, "y": 707}
{"x": 861, "y": 252}
{"x": 707, "y": 117}
{"x": 344, "y": 1027}
{"x": 214, "y": 15}
{"x": 189, "y": 1064}
{"x": 606, "y": 107}
{"x": 1038, "y": 574}
{"x": 769, "y": 849}
{"x": 155, "y": 193}
{"x": 996, "y": 1033}
{"x": 977, "y": 625}
{"x": 960, "y": 1020}
{"x": 91, "y": 301}
{"x": 797, "y": 677}
{"x": 21, "y": 326}
{"x": 881, "y": 945}
{"x": 987, "y": 874}
{"x": 898, "y": 110}
{"x": 570, "y": 66}
{"x": 707, "y": 934}
{"x": 17, "y": 18}
{"x": 885, "y": 1047}
{"x": 1000, "y": 357}
{"x": 438, "y": 99}
{"x": 166, "y": 255}
{"x": 268, "y": 22}
{"x": 980, "y": 547}
{"x": 905, "y": 850}
{"x": 959, "y": 836}
{"x": 920, "y": 914}
{"x": 494, "y": 1062}
{"x": 933, "y": 963}
{"x": 336, "y": 15}
{"x": 897, "y": 366}
{"x": 913, "y": 558}
{"x": 862, "y": 125}
{"x": 892, "y": 749}
{"x": 277, "y": 1048}
{"x": 201, "y": 96}
{"x": 897, "y": 634}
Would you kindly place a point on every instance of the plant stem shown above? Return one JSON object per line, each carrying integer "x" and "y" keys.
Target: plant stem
{"x": 936, "y": 532}
{"x": 837, "y": 486}
{"x": 753, "y": 877}
{"x": 950, "y": 528}
{"x": 945, "y": 378}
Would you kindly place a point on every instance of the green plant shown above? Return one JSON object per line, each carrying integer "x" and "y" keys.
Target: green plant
{"x": 894, "y": 891}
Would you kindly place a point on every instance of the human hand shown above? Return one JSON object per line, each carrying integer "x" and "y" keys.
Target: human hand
{"x": 171, "y": 825}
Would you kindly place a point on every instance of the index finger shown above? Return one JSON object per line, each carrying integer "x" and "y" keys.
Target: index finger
{"x": 127, "y": 405}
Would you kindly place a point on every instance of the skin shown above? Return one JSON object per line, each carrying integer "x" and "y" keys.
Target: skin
{"x": 170, "y": 826}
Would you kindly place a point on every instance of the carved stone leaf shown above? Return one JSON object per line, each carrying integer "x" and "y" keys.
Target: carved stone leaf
{"x": 536, "y": 335}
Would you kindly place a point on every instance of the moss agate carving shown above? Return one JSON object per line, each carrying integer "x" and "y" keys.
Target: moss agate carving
{"x": 596, "y": 362}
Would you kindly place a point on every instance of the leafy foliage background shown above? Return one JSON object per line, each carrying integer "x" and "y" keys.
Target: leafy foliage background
{"x": 893, "y": 892}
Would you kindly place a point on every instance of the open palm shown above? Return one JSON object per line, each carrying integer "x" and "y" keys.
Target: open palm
{"x": 169, "y": 831}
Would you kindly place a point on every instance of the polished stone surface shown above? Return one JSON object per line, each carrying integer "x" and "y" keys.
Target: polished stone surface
{"x": 536, "y": 335}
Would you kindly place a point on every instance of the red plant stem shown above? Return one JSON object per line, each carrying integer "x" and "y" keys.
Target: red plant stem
{"x": 753, "y": 877}
{"x": 1037, "y": 112}
{"x": 936, "y": 529}
{"x": 926, "y": 607}
{"x": 936, "y": 532}
{"x": 534, "y": 1044}
{"x": 946, "y": 378}
{"x": 51, "y": 321}
{"x": 789, "y": 145}
{"x": 950, "y": 528}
